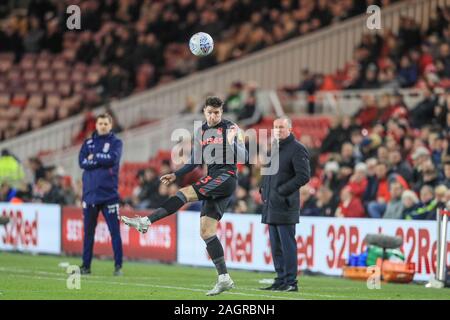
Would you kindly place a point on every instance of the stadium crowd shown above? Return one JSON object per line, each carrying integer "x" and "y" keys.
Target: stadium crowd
{"x": 411, "y": 58}
{"x": 128, "y": 46}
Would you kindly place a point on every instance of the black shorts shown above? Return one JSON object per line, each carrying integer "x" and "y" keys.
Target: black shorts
{"x": 216, "y": 191}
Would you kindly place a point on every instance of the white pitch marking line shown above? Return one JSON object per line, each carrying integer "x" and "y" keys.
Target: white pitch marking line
{"x": 154, "y": 286}
{"x": 145, "y": 278}
{"x": 305, "y": 293}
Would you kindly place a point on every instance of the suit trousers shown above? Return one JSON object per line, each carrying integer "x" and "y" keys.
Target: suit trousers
{"x": 284, "y": 253}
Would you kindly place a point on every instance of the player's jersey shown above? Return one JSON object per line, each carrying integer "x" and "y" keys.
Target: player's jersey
{"x": 212, "y": 148}
{"x": 217, "y": 153}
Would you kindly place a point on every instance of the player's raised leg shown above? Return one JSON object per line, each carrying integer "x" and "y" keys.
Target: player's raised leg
{"x": 170, "y": 206}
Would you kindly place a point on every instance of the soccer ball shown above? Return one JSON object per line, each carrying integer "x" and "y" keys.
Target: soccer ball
{"x": 201, "y": 44}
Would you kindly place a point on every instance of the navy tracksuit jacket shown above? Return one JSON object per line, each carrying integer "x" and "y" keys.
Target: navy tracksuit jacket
{"x": 100, "y": 191}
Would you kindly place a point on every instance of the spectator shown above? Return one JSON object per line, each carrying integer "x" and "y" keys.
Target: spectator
{"x": 383, "y": 154}
{"x": 117, "y": 128}
{"x": 394, "y": 209}
{"x": 87, "y": 128}
{"x": 398, "y": 165}
{"x": 422, "y": 113}
{"x": 7, "y": 192}
{"x": 37, "y": 168}
{"x": 11, "y": 169}
{"x": 410, "y": 203}
{"x": 234, "y": 100}
{"x": 446, "y": 181}
{"x": 367, "y": 115}
{"x": 308, "y": 205}
{"x": 115, "y": 83}
{"x": 190, "y": 106}
{"x": 149, "y": 188}
{"x": 358, "y": 181}
{"x": 136, "y": 199}
{"x": 34, "y": 38}
{"x": 70, "y": 197}
{"x": 376, "y": 208}
{"x": 87, "y": 50}
{"x": 326, "y": 202}
{"x": 429, "y": 175}
{"x": 350, "y": 206}
{"x": 240, "y": 207}
{"x": 160, "y": 197}
{"x": 241, "y": 195}
{"x": 346, "y": 156}
{"x": 370, "y": 80}
{"x": 309, "y": 85}
{"x": 407, "y": 73}
{"x": 56, "y": 193}
{"x": 40, "y": 189}
{"x": 426, "y": 210}
{"x": 356, "y": 140}
{"x": 339, "y": 133}
{"x": 419, "y": 157}
{"x": 24, "y": 192}
{"x": 314, "y": 151}
{"x": 330, "y": 177}
{"x": 440, "y": 196}
{"x": 250, "y": 114}
{"x": 53, "y": 40}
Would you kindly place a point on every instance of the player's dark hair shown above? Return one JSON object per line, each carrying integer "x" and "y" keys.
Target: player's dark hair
{"x": 214, "y": 102}
{"x": 105, "y": 116}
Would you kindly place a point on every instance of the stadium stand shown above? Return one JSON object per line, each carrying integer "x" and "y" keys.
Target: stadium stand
{"x": 357, "y": 161}
{"x": 48, "y": 72}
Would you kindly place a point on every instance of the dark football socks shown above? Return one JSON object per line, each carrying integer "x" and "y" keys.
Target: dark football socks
{"x": 170, "y": 206}
{"x": 215, "y": 251}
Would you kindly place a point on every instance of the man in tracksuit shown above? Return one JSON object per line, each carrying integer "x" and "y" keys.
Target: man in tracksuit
{"x": 281, "y": 202}
{"x": 99, "y": 158}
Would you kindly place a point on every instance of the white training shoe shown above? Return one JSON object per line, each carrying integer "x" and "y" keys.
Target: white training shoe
{"x": 224, "y": 283}
{"x": 140, "y": 223}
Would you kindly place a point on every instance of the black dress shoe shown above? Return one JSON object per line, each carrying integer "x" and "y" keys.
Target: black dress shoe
{"x": 273, "y": 287}
{"x": 288, "y": 288}
{"x": 84, "y": 270}
{"x": 117, "y": 271}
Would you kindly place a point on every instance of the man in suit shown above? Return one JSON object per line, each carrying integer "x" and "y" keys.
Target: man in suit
{"x": 281, "y": 202}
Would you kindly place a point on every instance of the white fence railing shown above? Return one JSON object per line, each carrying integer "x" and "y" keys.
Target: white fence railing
{"x": 139, "y": 144}
{"x": 347, "y": 102}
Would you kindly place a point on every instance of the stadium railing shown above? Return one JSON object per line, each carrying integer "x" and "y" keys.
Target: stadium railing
{"x": 347, "y": 102}
{"x": 140, "y": 144}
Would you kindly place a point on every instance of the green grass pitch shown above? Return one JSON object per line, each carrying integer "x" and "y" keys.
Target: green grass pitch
{"x": 24, "y": 276}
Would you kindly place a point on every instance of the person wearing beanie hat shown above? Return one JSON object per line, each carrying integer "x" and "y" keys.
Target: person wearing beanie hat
{"x": 410, "y": 203}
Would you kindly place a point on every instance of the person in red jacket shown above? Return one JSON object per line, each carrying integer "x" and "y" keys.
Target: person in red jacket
{"x": 358, "y": 181}
{"x": 376, "y": 208}
{"x": 367, "y": 115}
{"x": 350, "y": 206}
